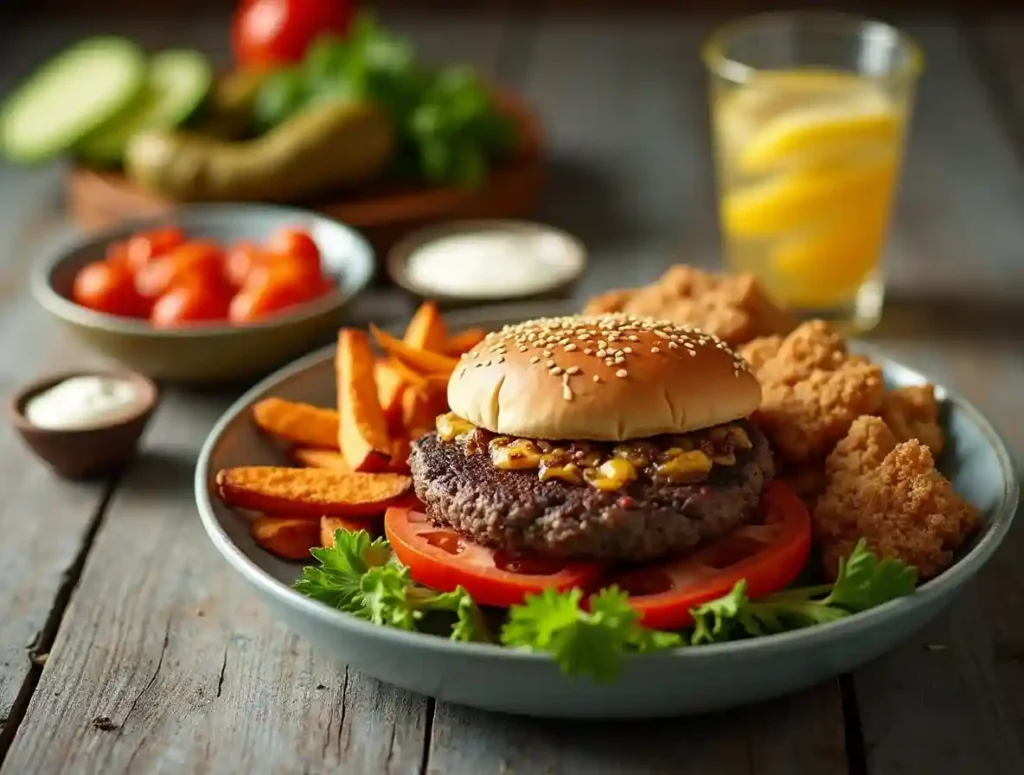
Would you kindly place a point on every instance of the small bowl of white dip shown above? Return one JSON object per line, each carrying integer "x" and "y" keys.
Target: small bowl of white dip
{"x": 468, "y": 262}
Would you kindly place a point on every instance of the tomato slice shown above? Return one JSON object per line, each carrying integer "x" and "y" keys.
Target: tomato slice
{"x": 769, "y": 553}
{"x": 441, "y": 559}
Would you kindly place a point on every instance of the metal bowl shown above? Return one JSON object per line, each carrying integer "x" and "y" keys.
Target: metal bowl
{"x": 220, "y": 352}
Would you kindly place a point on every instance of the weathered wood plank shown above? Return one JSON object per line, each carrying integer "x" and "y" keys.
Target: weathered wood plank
{"x": 958, "y": 708}
{"x": 165, "y": 641}
{"x": 625, "y": 109}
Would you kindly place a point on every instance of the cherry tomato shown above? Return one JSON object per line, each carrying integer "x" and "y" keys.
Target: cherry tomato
{"x": 441, "y": 559}
{"x": 117, "y": 253}
{"x": 769, "y": 553}
{"x": 107, "y": 286}
{"x": 192, "y": 259}
{"x": 274, "y": 286}
{"x": 240, "y": 260}
{"x": 266, "y": 33}
{"x": 298, "y": 246}
{"x": 148, "y": 245}
{"x": 191, "y": 301}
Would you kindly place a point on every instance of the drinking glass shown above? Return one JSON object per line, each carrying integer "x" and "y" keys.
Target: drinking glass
{"x": 809, "y": 113}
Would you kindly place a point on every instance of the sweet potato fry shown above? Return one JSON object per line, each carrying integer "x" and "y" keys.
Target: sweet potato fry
{"x": 363, "y": 430}
{"x": 289, "y": 538}
{"x": 389, "y": 389}
{"x": 400, "y": 450}
{"x": 321, "y": 458}
{"x": 420, "y": 410}
{"x": 329, "y": 524}
{"x": 432, "y": 383}
{"x": 310, "y": 426}
{"x": 310, "y": 492}
{"x": 463, "y": 342}
{"x": 421, "y": 361}
{"x": 426, "y": 329}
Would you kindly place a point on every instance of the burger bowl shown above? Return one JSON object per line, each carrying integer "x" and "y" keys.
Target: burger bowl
{"x": 686, "y": 681}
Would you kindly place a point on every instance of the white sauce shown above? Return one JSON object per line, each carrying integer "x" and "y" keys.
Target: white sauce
{"x": 491, "y": 263}
{"x": 83, "y": 402}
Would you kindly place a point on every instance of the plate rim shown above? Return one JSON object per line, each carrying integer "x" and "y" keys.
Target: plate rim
{"x": 945, "y": 584}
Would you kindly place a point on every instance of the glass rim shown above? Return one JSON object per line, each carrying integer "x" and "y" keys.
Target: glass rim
{"x": 713, "y": 55}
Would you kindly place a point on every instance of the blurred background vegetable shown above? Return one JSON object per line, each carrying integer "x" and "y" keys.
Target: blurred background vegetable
{"x": 449, "y": 128}
{"x": 266, "y": 33}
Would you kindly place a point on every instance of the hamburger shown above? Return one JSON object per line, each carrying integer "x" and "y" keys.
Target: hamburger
{"x": 606, "y": 437}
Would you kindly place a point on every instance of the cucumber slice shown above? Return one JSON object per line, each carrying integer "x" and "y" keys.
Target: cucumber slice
{"x": 176, "y": 83}
{"x": 69, "y": 97}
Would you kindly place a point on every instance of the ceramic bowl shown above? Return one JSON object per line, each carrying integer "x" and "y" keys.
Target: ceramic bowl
{"x": 220, "y": 352}
{"x": 86, "y": 452}
{"x": 567, "y": 268}
{"x": 687, "y": 681}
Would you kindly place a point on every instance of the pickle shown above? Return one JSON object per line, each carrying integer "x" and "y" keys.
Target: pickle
{"x": 334, "y": 145}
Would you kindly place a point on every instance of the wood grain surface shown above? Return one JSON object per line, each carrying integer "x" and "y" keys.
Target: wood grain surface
{"x": 162, "y": 662}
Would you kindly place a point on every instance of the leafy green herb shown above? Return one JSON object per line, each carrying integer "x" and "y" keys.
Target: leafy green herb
{"x": 362, "y": 578}
{"x": 448, "y": 126}
{"x": 589, "y": 643}
{"x": 863, "y": 581}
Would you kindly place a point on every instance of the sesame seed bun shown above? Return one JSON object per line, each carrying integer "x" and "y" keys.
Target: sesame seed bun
{"x": 601, "y": 377}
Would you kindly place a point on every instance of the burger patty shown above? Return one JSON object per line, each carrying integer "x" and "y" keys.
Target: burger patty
{"x": 516, "y": 511}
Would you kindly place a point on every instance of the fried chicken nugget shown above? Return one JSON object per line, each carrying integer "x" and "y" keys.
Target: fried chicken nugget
{"x": 812, "y": 390}
{"x": 732, "y": 306}
{"x": 913, "y": 413}
{"x": 891, "y": 495}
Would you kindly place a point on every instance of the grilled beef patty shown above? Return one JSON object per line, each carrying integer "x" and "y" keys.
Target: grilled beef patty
{"x": 517, "y": 511}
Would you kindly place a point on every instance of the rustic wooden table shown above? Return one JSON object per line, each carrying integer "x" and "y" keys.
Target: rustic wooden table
{"x": 114, "y": 604}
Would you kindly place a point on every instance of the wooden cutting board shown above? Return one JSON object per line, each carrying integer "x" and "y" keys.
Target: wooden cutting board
{"x": 384, "y": 212}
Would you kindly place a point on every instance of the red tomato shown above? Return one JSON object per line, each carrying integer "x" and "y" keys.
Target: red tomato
{"x": 117, "y": 253}
{"x": 107, "y": 286}
{"x": 272, "y": 287}
{"x": 298, "y": 246}
{"x": 240, "y": 260}
{"x": 441, "y": 559}
{"x": 147, "y": 245}
{"x": 191, "y": 301}
{"x": 768, "y": 553}
{"x": 265, "y": 33}
{"x": 192, "y": 259}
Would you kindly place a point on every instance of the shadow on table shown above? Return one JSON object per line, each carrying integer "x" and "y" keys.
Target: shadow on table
{"x": 160, "y": 471}
{"x": 951, "y": 317}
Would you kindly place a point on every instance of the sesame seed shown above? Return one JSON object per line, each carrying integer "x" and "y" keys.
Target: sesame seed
{"x": 673, "y": 346}
{"x": 566, "y": 391}
{"x": 597, "y": 378}
{"x": 500, "y": 359}
{"x": 627, "y": 350}
{"x": 556, "y": 370}
{"x": 621, "y": 373}
{"x": 602, "y": 353}
{"x": 549, "y": 363}
{"x": 587, "y": 351}
{"x": 634, "y": 338}
{"x": 601, "y": 343}
{"x": 547, "y": 353}
{"x": 655, "y": 350}
{"x": 573, "y": 370}
{"x": 570, "y": 347}
{"x": 534, "y": 359}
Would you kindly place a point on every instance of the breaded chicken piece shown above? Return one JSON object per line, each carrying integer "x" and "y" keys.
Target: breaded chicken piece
{"x": 913, "y": 413}
{"x": 863, "y": 448}
{"x": 896, "y": 500}
{"x": 732, "y": 306}
{"x": 812, "y": 390}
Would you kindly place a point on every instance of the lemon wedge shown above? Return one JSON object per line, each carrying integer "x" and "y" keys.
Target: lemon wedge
{"x": 786, "y": 202}
{"x": 826, "y": 130}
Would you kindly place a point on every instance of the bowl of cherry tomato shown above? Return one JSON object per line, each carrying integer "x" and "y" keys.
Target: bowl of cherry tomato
{"x": 210, "y": 293}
